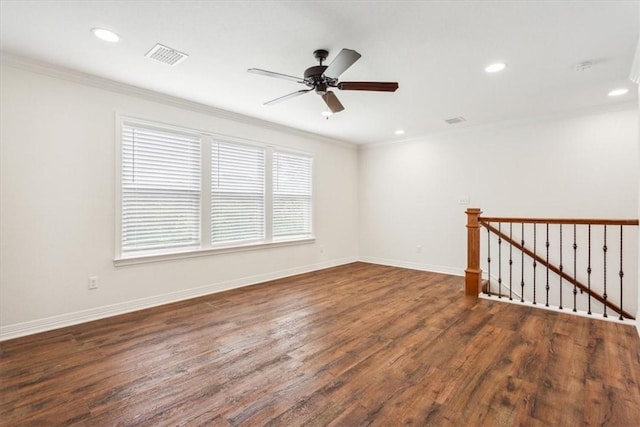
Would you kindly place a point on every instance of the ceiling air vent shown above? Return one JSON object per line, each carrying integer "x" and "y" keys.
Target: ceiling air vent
{"x": 456, "y": 120}
{"x": 583, "y": 66}
{"x": 166, "y": 55}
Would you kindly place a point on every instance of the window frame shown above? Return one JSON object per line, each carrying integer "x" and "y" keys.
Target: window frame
{"x": 207, "y": 139}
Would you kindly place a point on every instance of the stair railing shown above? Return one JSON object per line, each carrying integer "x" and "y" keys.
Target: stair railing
{"x": 535, "y": 245}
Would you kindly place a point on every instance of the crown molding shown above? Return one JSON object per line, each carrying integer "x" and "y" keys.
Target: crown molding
{"x": 79, "y": 77}
{"x": 504, "y": 124}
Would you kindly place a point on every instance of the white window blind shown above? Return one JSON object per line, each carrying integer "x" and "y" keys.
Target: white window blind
{"x": 160, "y": 189}
{"x": 237, "y": 193}
{"x": 292, "y": 194}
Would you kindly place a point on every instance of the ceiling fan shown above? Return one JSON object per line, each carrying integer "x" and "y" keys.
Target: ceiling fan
{"x": 323, "y": 77}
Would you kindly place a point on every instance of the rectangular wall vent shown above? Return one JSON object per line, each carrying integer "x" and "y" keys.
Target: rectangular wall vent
{"x": 166, "y": 55}
{"x": 455, "y": 120}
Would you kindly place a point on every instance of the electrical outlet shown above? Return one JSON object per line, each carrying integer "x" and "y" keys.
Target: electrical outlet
{"x": 419, "y": 249}
{"x": 93, "y": 282}
{"x": 464, "y": 200}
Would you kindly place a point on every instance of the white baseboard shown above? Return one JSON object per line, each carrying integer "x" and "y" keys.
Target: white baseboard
{"x": 414, "y": 265}
{"x": 505, "y": 288}
{"x": 579, "y": 313}
{"x": 69, "y": 319}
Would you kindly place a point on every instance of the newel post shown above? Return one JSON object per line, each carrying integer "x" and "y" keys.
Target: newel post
{"x": 473, "y": 274}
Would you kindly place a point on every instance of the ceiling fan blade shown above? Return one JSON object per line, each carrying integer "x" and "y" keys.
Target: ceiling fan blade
{"x": 332, "y": 102}
{"x": 345, "y": 59}
{"x": 276, "y": 75}
{"x": 289, "y": 96}
{"x": 373, "y": 86}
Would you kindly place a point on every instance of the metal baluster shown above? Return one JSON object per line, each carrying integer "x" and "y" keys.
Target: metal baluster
{"x": 604, "y": 255}
{"x": 510, "y": 261}
{"x": 589, "y": 269}
{"x": 488, "y": 260}
{"x": 547, "y": 286}
{"x": 535, "y": 264}
{"x": 499, "y": 260}
{"x": 522, "y": 264}
{"x": 575, "y": 248}
{"x": 561, "y": 267}
{"x": 621, "y": 274}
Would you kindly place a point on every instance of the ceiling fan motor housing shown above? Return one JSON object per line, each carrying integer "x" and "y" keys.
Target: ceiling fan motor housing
{"x": 314, "y": 73}
{"x": 314, "y": 78}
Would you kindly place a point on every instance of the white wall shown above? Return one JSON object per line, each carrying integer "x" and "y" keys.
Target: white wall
{"x": 57, "y": 187}
{"x": 57, "y": 207}
{"x": 580, "y": 166}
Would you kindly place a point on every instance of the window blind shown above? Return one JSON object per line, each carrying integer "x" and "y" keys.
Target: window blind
{"x": 237, "y": 193}
{"x": 292, "y": 194}
{"x": 160, "y": 189}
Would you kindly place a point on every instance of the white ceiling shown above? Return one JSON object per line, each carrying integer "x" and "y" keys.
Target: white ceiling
{"x": 436, "y": 51}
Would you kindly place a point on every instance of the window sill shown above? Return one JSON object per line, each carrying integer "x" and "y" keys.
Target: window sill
{"x": 192, "y": 253}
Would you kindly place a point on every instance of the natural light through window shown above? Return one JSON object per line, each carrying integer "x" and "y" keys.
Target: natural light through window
{"x": 184, "y": 191}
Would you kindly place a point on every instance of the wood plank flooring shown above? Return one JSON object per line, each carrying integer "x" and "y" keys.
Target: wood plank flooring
{"x": 354, "y": 345}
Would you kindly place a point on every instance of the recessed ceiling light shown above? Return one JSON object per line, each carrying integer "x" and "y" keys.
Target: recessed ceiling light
{"x": 327, "y": 113}
{"x": 106, "y": 35}
{"x": 399, "y": 132}
{"x": 618, "y": 92}
{"x": 494, "y": 68}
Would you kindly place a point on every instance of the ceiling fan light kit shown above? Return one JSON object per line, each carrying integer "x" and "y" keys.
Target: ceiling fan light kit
{"x": 321, "y": 78}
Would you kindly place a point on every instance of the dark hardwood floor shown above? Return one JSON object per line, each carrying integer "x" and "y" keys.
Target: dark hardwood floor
{"x": 354, "y": 345}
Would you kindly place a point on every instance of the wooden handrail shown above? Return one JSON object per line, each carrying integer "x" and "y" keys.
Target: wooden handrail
{"x": 556, "y": 270}
{"x": 578, "y": 221}
{"x": 473, "y": 273}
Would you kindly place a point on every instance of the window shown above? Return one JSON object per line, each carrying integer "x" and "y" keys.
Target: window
{"x": 160, "y": 190}
{"x": 184, "y": 191}
{"x": 291, "y": 194}
{"x": 237, "y": 193}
